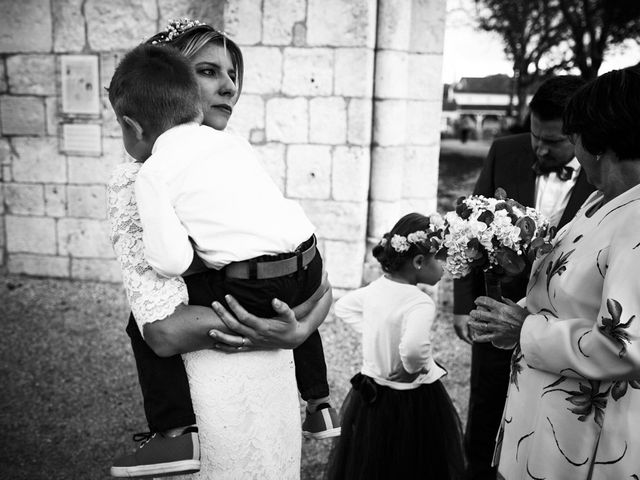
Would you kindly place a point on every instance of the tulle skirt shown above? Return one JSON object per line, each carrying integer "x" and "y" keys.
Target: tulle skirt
{"x": 389, "y": 434}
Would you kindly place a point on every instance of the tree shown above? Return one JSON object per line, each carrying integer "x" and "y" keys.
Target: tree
{"x": 592, "y": 26}
{"x": 529, "y": 28}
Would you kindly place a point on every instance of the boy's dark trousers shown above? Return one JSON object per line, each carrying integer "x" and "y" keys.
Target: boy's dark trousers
{"x": 165, "y": 389}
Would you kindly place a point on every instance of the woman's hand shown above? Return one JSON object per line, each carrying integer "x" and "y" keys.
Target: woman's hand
{"x": 281, "y": 331}
{"x": 498, "y": 323}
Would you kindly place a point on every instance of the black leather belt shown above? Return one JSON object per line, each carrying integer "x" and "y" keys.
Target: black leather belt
{"x": 263, "y": 268}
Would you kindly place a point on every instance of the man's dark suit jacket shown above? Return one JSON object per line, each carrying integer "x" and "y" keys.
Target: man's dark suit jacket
{"x": 508, "y": 165}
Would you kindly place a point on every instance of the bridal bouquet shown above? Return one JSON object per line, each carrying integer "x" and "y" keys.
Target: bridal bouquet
{"x": 497, "y": 235}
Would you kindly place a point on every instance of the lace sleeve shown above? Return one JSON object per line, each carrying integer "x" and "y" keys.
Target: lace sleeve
{"x": 151, "y": 296}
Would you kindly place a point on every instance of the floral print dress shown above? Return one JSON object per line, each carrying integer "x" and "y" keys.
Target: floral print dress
{"x": 573, "y": 406}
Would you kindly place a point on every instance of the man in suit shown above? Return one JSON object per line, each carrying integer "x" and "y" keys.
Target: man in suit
{"x": 537, "y": 169}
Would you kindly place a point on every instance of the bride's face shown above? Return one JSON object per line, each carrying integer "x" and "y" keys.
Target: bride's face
{"x": 218, "y": 84}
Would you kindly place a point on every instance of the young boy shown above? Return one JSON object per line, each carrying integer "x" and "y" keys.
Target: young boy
{"x": 202, "y": 189}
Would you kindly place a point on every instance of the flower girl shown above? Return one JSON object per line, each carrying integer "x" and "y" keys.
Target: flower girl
{"x": 398, "y": 420}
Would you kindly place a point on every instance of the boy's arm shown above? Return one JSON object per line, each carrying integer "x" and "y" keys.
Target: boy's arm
{"x": 166, "y": 241}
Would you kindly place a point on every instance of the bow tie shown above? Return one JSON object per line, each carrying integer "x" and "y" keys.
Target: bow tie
{"x": 563, "y": 172}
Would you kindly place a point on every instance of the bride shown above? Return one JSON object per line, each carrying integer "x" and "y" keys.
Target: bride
{"x": 242, "y": 381}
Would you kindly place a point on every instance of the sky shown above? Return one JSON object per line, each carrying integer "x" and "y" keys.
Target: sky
{"x": 469, "y": 52}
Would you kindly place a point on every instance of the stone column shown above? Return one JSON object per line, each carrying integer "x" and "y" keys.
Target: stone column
{"x": 406, "y": 118}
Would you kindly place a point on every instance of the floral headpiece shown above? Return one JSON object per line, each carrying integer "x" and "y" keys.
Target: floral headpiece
{"x": 175, "y": 28}
{"x": 430, "y": 239}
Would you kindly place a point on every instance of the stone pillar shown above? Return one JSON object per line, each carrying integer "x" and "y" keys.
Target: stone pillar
{"x": 406, "y": 118}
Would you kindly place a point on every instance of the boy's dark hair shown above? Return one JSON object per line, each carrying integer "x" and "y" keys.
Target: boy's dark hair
{"x": 390, "y": 260}
{"x": 157, "y": 87}
{"x": 551, "y": 98}
{"x": 606, "y": 114}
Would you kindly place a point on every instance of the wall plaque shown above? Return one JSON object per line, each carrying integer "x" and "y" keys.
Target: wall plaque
{"x": 80, "y": 85}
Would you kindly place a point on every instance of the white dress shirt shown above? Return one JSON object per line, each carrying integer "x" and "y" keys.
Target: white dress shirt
{"x": 208, "y": 186}
{"x": 552, "y": 194}
{"x": 395, "y": 320}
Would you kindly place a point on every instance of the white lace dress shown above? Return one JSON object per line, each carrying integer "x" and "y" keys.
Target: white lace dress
{"x": 246, "y": 404}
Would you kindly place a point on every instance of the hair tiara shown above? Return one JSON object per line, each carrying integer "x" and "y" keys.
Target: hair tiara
{"x": 175, "y": 28}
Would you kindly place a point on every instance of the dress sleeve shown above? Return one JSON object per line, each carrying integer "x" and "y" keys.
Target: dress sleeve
{"x": 349, "y": 309}
{"x": 166, "y": 242}
{"x": 150, "y": 296}
{"x": 602, "y": 348}
{"x": 415, "y": 344}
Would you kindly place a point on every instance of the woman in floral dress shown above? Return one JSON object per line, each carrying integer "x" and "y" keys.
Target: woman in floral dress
{"x": 573, "y": 406}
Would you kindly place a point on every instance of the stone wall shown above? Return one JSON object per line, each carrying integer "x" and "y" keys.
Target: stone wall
{"x": 341, "y": 99}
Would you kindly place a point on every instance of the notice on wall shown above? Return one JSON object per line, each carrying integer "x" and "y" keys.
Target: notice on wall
{"x": 80, "y": 85}
{"x": 82, "y": 139}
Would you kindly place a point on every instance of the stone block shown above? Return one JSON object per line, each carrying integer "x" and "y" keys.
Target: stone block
{"x": 24, "y": 198}
{"x": 25, "y": 26}
{"x": 387, "y": 167}
{"x": 382, "y": 217}
{"x": 55, "y": 200}
{"x": 92, "y": 169}
{"x": 243, "y": 21}
{"x": 427, "y": 25}
{"x": 353, "y": 75}
{"x": 38, "y": 160}
{"x": 350, "y": 173}
{"x": 119, "y": 24}
{"x": 420, "y": 205}
{"x": 84, "y": 238}
{"x": 110, "y": 126}
{"x": 308, "y": 171}
{"x": 420, "y": 179}
{"x": 257, "y": 136}
{"x": 359, "y": 120}
{"x": 38, "y": 265}
{"x": 287, "y": 120}
{"x": 248, "y": 115}
{"x": 22, "y": 115}
{"x": 262, "y": 70}
{"x": 6, "y": 155}
{"x": 272, "y": 157}
{"x": 425, "y": 77}
{"x": 390, "y": 122}
{"x": 31, "y": 74}
{"x": 96, "y": 269}
{"x": 6, "y": 173}
{"x": 392, "y": 74}
{"x": 343, "y": 262}
{"x": 328, "y": 120}
{"x": 108, "y": 62}
{"x": 3, "y": 77}
{"x": 51, "y": 108}
{"x": 30, "y": 234}
{"x": 393, "y": 33}
{"x": 68, "y": 26}
{"x": 86, "y": 201}
{"x": 279, "y": 19}
{"x": 337, "y": 220}
{"x": 307, "y": 71}
{"x": 424, "y": 127}
{"x": 341, "y": 23}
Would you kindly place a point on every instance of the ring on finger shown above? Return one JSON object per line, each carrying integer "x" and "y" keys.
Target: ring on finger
{"x": 243, "y": 341}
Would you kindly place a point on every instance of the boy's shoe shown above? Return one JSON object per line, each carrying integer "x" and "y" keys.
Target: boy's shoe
{"x": 160, "y": 456}
{"x": 323, "y": 423}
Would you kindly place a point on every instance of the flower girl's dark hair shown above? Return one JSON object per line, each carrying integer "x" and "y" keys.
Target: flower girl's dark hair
{"x": 391, "y": 260}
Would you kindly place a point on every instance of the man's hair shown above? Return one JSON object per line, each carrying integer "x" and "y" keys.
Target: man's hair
{"x": 551, "y": 98}
{"x": 606, "y": 114}
{"x": 157, "y": 87}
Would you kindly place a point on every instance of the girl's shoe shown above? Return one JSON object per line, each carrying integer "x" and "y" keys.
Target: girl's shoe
{"x": 158, "y": 455}
{"x": 323, "y": 423}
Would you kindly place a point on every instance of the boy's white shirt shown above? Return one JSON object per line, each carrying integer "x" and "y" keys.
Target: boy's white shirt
{"x": 395, "y": 321}
{"x": 208, "y": 185}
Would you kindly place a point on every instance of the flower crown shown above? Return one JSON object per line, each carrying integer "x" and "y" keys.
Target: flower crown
{"x": 175, "y": 28}
{"x": 430, "y": 239}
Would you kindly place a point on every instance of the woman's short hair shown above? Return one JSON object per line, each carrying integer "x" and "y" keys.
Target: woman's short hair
{"x": 390, "y": 259}
{"x": 157, "y": 87}
{"x": 606, "y": 114}
{"x": 552, "y": 96}
{"x": 193, "y": 39}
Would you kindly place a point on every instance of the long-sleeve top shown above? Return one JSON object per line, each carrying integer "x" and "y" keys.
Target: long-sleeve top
{"x": 206, "y": 187}
{"x": 395, "y": 321}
